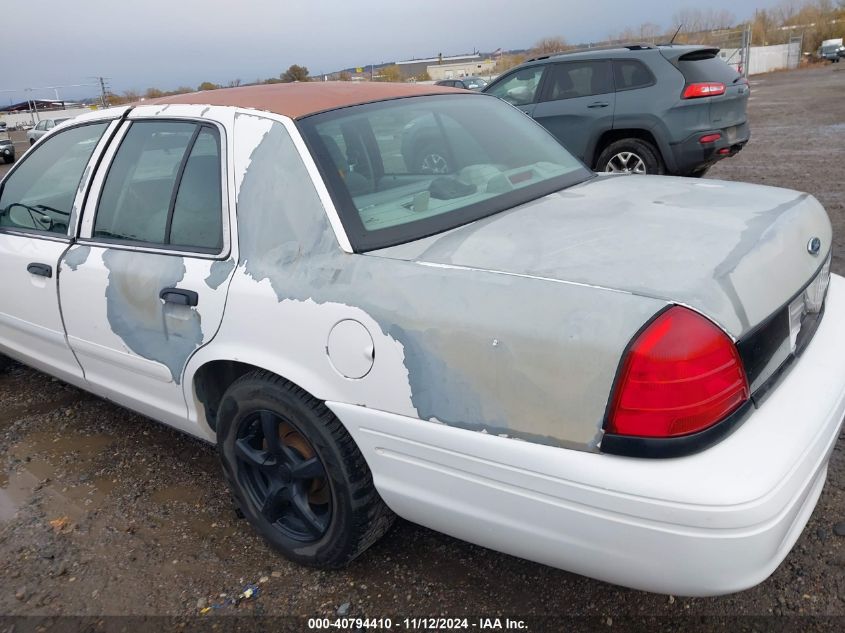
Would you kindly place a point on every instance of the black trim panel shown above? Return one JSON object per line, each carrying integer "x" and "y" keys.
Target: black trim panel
{"x": 665, "y": 447}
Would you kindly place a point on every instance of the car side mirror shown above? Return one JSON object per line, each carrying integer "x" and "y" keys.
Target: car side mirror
{"x": 29, "y": 218}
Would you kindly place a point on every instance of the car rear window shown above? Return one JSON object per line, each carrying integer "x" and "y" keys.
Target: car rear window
{"x": 705, "y": 65}
{"x": 405, "y": 169}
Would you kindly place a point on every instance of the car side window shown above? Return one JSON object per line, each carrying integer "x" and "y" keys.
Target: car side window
{"x": 519, "y": 88}
{"x": 38, "y": 195}
{"x": 198, "y": 212}
{"x": 163, "y": 187}
{"x": 578, "y": 79}
{"x": 42, "y": 125}
{"x": 630, "y": 73}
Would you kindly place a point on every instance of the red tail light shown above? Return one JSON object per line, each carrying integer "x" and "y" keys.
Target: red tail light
{"x": 681, "y": 375}
{"x": 709, "y": 138}
{"x": 704, "y": 89}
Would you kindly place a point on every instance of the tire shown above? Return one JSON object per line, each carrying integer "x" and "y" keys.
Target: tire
{"x": 430, "y": 159}
{"x": 31, "y": 142}
{"x": 345, "y": 514}
{"x": 639, "y": 156}
{"x": 5, "y": 363}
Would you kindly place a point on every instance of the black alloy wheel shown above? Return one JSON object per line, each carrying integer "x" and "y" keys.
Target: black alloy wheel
{"x": 283, "y": 476}
{"x": 296, "y": 474}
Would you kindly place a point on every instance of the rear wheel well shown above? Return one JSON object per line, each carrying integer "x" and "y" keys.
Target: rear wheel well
{"x": 611, "y": 136}
{"x": 212, "y": 380}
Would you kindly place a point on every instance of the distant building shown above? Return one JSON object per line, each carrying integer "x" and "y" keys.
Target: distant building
{"x": 415, "y": 67}
{"x": 479, "y": 67}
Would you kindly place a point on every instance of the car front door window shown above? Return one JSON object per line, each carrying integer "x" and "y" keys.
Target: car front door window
{"x": 520, "y": 88}
{"x": 38, "y": 196}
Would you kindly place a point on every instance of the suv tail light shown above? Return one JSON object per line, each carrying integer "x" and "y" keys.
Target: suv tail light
{"x": 681, "y": 375}
{"x": 704, "y": 89}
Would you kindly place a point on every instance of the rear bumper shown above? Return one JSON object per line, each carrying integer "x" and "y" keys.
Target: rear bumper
{"x": 690, "y": 155}
{"x": 711, "y": 523}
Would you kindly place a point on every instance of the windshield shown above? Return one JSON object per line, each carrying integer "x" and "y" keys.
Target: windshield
{"x": 405, "y": 169}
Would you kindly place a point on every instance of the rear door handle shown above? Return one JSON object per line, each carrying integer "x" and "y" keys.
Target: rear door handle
{"x": 598, "y": 104}
{"x": 42, "y": 270}
{"x": 178, "y": 296}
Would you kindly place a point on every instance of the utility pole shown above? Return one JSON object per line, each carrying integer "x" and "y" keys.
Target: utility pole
{"x": 103, "y": 98}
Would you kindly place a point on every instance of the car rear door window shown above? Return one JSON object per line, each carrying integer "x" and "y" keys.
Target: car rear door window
{"x": 629, "y": 74}
{"x": 520, "y": 88}
{"x": 38, "y": 195}
{"x": 164, "y": 187}
{"x": 578, "y": 79}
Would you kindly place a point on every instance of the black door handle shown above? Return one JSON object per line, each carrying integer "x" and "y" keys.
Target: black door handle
{"x": 598, "y": 105}
{"x": 179, "y": 296}
{"x": 42, "y": 270}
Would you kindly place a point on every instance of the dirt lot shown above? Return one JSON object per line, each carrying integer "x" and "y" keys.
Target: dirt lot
{"x": 104, "y": 512}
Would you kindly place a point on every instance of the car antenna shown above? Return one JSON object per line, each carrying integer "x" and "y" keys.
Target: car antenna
{"x": 672, "y": 41}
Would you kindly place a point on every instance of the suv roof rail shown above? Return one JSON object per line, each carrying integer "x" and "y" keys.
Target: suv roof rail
{"x": 584, "y": 49}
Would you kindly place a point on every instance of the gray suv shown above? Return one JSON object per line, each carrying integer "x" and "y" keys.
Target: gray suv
{"x": 646, "y": 109}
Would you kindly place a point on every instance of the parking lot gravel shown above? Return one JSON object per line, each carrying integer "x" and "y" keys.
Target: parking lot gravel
{"x": 104, "y": 512}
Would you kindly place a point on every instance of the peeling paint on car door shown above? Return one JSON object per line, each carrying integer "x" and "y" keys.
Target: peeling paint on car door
{"x": 136, "y": 311}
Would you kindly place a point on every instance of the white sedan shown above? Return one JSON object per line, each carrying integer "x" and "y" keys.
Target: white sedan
{"x": 636, "y": 378}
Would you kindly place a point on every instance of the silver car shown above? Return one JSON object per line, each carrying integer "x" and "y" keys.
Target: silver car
{"x": 635, "y": 378}
{"x": 43, "y": 127}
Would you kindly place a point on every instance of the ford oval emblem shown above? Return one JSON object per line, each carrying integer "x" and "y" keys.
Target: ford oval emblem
{"x": 814, "y": 246}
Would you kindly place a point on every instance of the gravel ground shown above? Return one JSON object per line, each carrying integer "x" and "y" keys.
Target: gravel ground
{"x": 103, "y": 512}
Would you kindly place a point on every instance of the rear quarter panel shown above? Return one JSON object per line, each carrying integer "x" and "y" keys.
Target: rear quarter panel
{"x": 502, "y": 354}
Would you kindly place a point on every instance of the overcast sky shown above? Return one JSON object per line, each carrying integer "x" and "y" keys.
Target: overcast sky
{"x": 169, "y": 43}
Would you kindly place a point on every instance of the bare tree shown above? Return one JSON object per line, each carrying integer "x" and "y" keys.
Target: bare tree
{"x": 549, "y": 45}
{"x": 390, "y": 73}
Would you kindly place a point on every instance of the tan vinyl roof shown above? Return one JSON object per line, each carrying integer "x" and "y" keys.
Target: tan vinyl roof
{"x": 297, "y": 100}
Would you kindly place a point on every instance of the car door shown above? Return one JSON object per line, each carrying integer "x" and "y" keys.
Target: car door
{"x": 145, "y": 285}
{"x": 577, "y": 104}
{"x": 520, "y": 88}
{"x": 39, "y": 130}
{"x": 37, "y": 211}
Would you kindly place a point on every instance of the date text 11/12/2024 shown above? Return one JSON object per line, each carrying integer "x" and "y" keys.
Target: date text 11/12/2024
{"x": 417, "y": 624}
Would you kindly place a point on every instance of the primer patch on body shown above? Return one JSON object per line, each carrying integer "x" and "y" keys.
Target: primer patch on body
{"x": 219, "y": 272}
{"x": 155, "y": 330}
{"x": 537, "y": 382}
{"x": 76, "y": 256}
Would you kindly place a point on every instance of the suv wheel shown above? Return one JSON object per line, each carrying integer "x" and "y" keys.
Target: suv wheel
{"x": 630, "y": 156}
{"x": 430, "y": 160}
{"x": 296, "y": 474}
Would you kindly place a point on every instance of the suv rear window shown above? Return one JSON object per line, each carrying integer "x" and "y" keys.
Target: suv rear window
{"x": 705, "y": 65}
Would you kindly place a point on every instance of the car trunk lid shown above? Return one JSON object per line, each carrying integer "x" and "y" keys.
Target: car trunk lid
{"x": 736, "y": 252}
